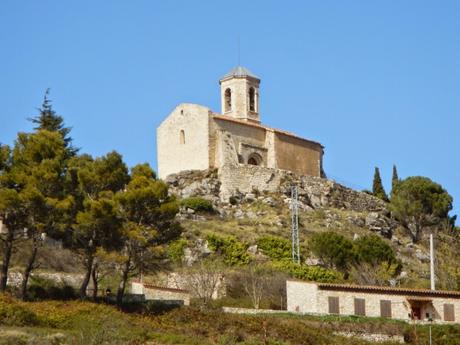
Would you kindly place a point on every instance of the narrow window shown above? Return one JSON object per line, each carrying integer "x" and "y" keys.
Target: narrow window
{"x": 360, "y": 306}
{"x": 333, "y": 305}
{"x": 252, "y": 99}
{"x": 228, "y": 100}
{"x": 182, "y": 137}
{"x": 385, "y": 308}
{"x": 449, "y": 312}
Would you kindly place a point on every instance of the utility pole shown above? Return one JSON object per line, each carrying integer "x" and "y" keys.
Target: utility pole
{"x": 295, "y": 224}
{"x": 432, "y": 263}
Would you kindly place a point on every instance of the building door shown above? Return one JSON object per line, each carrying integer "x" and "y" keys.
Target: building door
{"x": 416, "y": 313}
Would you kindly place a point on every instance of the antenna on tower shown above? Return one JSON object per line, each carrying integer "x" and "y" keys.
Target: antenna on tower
{"x": 239, "y": 50}
{"x": 295, "y": 224}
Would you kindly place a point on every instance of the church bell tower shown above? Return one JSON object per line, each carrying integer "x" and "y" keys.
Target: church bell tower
{"x": 239, "y": 91}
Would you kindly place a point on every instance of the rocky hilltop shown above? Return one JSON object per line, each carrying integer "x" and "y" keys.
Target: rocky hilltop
{"x": 252, "y": 202}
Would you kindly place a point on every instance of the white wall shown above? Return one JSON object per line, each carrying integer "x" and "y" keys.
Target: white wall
{"x": 173, "y": 156}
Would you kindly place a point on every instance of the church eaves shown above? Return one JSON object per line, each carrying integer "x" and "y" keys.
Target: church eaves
{"x": 239, "y": 72}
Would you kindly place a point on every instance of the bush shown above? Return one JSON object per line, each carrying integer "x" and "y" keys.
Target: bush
{"x": 233, "y": 251}
{"x": 333, "y": 249}
{"x": 372, "y": 249}
{"x": 275, "y": 247}
{"x": 43, "y": 289}
{"x": 14, "y": 314}
{"x": 309, "y": 273}
{"x": 197, "y": 204}
{"x": 176, "y": 250}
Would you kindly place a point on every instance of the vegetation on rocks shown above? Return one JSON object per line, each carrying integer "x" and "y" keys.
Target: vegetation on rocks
{"x": 197, "y": 204}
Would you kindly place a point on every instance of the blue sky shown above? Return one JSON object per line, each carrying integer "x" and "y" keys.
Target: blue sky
{"x": 377, "y": 83}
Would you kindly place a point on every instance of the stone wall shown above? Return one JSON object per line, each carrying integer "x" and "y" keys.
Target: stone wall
{"x": 199, "y": 283}
{"x": 152, "y": 292}
{"x": 300, "y": 156}
{"x": 315, "y": 192}
{"x": 193, "y": 153}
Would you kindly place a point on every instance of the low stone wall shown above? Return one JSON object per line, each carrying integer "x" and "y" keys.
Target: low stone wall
{"x": 252, "y": 311}
{"x": 373, "y": 337}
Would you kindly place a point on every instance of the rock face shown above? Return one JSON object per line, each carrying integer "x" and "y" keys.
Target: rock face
{"x": 195, "y": 183}
{"x": 241, "y": 182}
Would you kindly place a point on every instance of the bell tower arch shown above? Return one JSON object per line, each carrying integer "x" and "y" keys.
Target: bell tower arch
{"x": 239, "y": 91}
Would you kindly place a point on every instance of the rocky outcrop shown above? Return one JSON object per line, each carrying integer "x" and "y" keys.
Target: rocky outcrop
{"x": 195, "y": 183}
{"x": 243, "y": 182}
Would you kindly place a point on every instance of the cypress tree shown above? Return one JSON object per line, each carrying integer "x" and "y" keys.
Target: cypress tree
{"x": 394, "y": 179}
{"x": 377, "y": 186}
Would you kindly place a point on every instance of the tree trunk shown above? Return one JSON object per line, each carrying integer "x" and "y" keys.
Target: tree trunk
{"x": 89, "y": 268}
{"x": 94, "y": 278}
{"x": 6, "y": 260}
{"x": 28, "y": 270}
{"x": 124, "y": 280}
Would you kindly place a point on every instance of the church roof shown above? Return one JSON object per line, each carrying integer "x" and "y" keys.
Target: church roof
{"x": 258, "y": 125}
{"x": 240, "y": 71}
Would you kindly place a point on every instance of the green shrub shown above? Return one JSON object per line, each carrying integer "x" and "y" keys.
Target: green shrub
{"x": 233, "y": 251}
{"x": 310, "y": 273}
{"x": 275, "y": 247}
{"x": 372, "y": 249}
{"x": 197, "y": 204}
{"x": 15, "y": 314}
{"x": 42, "y": 289}
{"x": 333, "y": 249}
{"x": 176, "y": 250}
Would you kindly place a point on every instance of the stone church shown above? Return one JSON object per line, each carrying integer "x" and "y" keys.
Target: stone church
{"x": 193, "y": 137}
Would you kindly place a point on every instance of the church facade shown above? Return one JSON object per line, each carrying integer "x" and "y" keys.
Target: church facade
{"x": 193, "y": 137}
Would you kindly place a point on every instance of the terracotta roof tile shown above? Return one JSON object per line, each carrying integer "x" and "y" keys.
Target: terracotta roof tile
{"x": 390, "y": 290}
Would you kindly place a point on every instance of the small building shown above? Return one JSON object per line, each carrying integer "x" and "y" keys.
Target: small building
{"x": 193, "y": 137}
{"x": 159, "y": 293}
{"x": 373, "y": 301}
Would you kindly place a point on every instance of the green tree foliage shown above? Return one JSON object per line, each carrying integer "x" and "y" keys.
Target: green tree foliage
{"x": 377, "y": 186}
{"x": 418, "y": 202}
{"x": 275, "y": 247}
{"x": 97, "y": 222}
{"x": 143, "y": 169}
{"x": 233, "y": 251}
{"x": 47, "y": 119}
{"x": 372, "y": 249}
{"x": 148, "y": 216}
{"x": 176, "y": 250}
{"x": 33, "y": 186}
{"x": 394, "y": 179}
{"x": 309, "y": 273}
{"x": 333, "y": 249}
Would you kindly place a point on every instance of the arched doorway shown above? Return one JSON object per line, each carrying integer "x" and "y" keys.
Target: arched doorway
{"x": 254, "y": 159}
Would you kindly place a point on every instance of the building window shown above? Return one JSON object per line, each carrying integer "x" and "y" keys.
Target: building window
{"x": 333, "y": 305}
{"x": 360, "y": 306}
{"x": 449, "y": 312}
{"x": 182, "y": 137}
{"x": 228, "y": 100}
{"x": 252, "y": 99}
{"x": 385, "y": 308}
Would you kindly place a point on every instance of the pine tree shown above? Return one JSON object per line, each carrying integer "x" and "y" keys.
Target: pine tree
{"x": 394, "y": 179}
{"x": 377, "y": 186}
{"x": 47, "y": 119}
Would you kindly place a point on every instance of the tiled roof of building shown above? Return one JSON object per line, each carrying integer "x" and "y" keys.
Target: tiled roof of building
{"x": 258, "y": 125}
{"x": 240, "y": 72}
{"x": 389, "y": 290}
{"x": 164, "y": 288}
